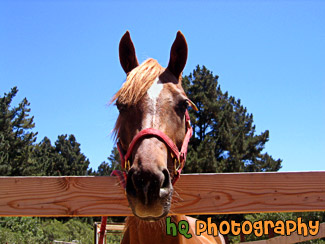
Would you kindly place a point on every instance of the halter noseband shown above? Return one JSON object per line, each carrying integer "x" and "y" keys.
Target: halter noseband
{"x": 178, "y": 156}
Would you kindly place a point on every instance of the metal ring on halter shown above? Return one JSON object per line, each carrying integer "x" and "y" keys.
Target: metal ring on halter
{"x": 127, "y": 165}
{"x": 177, "y": 165}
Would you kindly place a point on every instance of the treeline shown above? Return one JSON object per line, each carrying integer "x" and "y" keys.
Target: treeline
{"x": 20, "y": 155}
{"x": 224, "y": 140}
{"x": 224, "y": 137}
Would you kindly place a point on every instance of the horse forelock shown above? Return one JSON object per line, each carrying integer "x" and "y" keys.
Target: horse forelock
{"x": 137, "y": 83}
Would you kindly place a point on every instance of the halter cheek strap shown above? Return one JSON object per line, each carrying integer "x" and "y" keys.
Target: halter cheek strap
{"x": 178, "y": 156}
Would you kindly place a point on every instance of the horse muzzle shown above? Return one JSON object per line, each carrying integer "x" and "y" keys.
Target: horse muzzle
{"x": 149, "y": 192}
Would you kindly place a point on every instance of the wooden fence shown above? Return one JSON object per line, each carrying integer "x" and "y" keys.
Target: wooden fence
{"x": 112, "y": 228}
{"x": 194, "y": 194}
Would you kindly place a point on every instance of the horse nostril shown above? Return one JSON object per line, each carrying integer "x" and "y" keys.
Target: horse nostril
{"x": 166, "y": 181}
{"x": 164, "y": 190}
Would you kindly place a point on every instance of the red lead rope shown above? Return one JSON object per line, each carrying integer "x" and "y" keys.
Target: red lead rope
{"x": 150, "y": 132}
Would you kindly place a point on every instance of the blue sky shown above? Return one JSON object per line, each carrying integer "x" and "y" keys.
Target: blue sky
{"x": 63, "y": 56}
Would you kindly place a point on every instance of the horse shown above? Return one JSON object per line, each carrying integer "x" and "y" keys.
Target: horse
{"x": 152, "y": 132}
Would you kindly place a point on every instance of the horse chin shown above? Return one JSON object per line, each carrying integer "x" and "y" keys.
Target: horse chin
{"x": 150, "y": 213}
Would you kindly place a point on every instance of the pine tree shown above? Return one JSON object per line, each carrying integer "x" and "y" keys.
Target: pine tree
{"x": 68, "y": 160}
{"x": 106, "y": 168}
{"x": 64, "y": 158}
{"x": 16, "y": 136}
{"x": 44, "y": 156}
{"x": 224, "y": 137}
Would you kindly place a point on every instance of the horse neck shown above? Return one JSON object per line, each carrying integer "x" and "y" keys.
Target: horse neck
{"x": 144, "y": 232}
{"x": 139, "y": 231}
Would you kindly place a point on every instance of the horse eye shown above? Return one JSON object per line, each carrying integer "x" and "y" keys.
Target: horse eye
{"x": 182, "y": 105}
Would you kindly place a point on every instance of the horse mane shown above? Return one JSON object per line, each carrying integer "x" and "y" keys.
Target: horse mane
{"x": 137, "y": 83}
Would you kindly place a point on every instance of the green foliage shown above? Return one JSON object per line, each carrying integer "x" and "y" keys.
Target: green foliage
{"x": 114, "y": 238}
{"x": 64, "y": 158}
{"x": 71, "y": 230}
{"x": 55, "y": 230}
{"x": 20, "y": 230}
{"x": 224, "y": 137}
{"x": 16, "y": 136}
{"x": 44, "y": 154}
{"x": 34, "y": 230}
{"x": 20, "y": 156}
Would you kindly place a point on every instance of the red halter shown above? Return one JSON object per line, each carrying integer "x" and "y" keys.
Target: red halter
{"x": 178, "y": 156}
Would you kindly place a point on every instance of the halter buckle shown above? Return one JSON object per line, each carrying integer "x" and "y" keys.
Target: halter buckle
{"x": 127, "y": 165}
{"x": 177, "y": 165}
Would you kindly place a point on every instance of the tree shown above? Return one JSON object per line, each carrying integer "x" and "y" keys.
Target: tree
{"x": 44, "y": 156}
{"x": 16, "y": 136}
{"x": 64, "y": 158}
{"x": 68, "y": 160}
{"x": 106, "y": 168}
{"x": 224, "y": 137}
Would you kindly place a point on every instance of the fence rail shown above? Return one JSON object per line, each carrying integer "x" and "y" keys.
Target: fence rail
{"x": 194, "y": 194}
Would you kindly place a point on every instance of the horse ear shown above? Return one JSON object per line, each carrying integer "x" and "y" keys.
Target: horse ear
{"x": 178, "y": 55}
{"x": 128, "y": 59}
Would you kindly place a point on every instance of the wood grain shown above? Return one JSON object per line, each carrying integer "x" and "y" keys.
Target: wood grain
{"x": 111, "y": 227}
{"x": 194, "y": 194}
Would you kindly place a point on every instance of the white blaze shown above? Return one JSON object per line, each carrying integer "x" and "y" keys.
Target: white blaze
{"x": 153, "y": 94}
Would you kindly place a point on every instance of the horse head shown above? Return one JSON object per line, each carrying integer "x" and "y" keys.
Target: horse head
{"x": 152, "y": 128}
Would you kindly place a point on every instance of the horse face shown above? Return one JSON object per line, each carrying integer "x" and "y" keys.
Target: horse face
{"x": 162, "y": 107}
